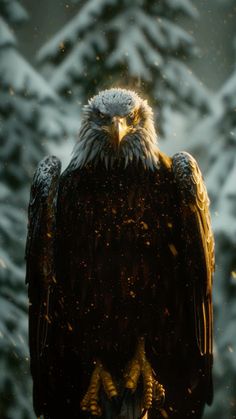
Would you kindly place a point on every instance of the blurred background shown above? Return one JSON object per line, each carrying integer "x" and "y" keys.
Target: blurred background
{"x": 54, "y": 54}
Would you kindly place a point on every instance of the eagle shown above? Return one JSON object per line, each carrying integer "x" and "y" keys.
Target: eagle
{"x": 119, "y": 267}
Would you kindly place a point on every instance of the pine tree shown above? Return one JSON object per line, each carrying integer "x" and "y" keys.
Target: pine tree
{"x": 28, "y": 119}
{"x": 119, "y": 42}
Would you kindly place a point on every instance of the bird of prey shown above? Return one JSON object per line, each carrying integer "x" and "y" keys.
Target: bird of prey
{"x": 120, "y": 259}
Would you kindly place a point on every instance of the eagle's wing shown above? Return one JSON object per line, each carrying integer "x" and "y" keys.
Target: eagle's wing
{"x": 198, "y": 253}
{"x": 40, "y": 269}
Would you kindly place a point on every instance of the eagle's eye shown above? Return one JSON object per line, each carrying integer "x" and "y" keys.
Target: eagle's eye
{"x": 102, "y": 115}
{"x": 131, "y": 118}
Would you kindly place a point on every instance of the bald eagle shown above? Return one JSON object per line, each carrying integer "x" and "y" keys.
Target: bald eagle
{"x": 120, "y": 258}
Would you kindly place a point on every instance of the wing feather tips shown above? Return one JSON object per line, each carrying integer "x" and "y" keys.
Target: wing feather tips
{"x": 189, "y": 178}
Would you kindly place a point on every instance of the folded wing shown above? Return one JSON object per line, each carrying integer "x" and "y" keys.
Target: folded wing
{"x": 40, "y": 272}
{"x": 198, "y": 245}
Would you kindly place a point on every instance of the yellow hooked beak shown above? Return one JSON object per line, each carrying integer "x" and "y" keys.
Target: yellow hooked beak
{"x": 118, "y": 129}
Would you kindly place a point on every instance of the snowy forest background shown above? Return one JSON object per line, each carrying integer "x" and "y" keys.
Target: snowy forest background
{"x": 180, "y": 54}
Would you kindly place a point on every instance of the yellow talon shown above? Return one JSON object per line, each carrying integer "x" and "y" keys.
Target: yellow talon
{"x": 90, "y": 400}
{"x": 100, "y": 377}
{"x": 132, "y": 377}
{"x": 108, "y": 384}
{"x": 148, "y": 384}
{"x": 140, "y": 366}
{"x": 158, "y": 392}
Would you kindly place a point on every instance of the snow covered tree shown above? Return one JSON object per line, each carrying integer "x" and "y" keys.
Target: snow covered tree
{"x": 28, "y": 119}
{"x": 119, "y": 42}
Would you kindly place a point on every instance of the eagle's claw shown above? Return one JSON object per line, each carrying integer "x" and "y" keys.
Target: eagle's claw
{"x": 100, "y": 378}
{"x": 140, "y": 366}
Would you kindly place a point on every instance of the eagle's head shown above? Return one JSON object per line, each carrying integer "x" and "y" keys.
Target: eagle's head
{"x": 117, "y": 127}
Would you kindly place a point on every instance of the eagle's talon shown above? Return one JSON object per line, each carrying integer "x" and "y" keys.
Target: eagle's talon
{"x": 158, "y": 393}
{"x": 133, "y": 374}
{"x": 100, "y": 378}
{"x": 140, "y": 366}
{"x": 108, "y": 384}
